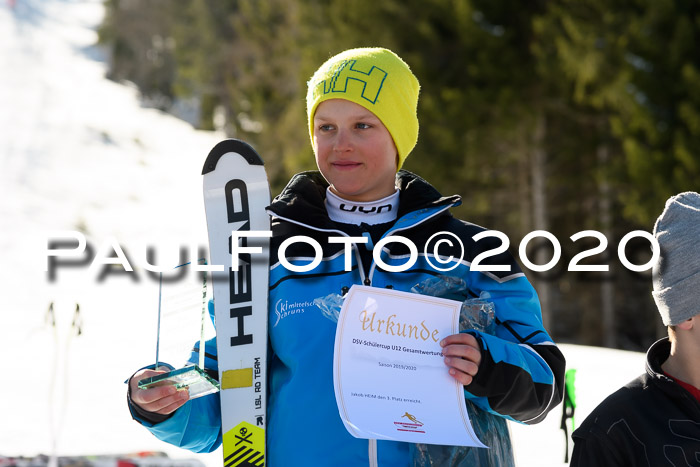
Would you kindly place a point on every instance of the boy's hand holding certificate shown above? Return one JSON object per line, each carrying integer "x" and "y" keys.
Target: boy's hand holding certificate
{"x": 388, "y": 371}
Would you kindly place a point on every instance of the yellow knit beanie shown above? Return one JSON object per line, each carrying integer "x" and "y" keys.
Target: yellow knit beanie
{"x": 378, "y": 80}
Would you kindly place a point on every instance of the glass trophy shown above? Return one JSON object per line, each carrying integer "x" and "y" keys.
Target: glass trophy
{"x": 182, "y": 319}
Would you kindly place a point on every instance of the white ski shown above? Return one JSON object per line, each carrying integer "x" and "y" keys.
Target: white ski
{"x": 236, "y": 193}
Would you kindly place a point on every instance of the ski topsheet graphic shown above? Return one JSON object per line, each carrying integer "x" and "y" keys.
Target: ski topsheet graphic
{"x": 236, "y": 193}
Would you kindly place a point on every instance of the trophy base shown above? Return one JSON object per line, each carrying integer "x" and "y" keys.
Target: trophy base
{"x": 192, "y": 378}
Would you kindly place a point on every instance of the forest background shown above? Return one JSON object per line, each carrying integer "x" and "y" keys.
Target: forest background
{"x": 556, "y": 115}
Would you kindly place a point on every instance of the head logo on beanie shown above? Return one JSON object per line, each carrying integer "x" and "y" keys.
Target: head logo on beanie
{"x": 676, "y": 274}
{"x": 378, "y": 80}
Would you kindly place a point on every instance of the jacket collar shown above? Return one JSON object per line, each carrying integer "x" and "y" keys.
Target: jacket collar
{"x": 656, "y": 355}
{"x": 303, "y": 198}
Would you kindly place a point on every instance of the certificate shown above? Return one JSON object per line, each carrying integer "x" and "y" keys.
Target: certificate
{"x": 389, "y": 374}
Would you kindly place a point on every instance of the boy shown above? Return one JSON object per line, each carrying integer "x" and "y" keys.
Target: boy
{"x": 361, "y": 107}
{"x": 655, "y": 419}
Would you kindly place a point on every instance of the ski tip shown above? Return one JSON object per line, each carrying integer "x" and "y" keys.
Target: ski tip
{"x": 230, "y": 145}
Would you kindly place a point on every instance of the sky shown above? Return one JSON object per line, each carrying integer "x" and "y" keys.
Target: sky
{"x": 79, "y": 152}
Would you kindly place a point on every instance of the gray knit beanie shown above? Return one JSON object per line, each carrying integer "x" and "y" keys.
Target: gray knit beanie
{"x": 676, "y": 274}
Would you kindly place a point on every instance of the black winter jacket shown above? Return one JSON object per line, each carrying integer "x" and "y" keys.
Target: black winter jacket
{"x": 650, "y": 422}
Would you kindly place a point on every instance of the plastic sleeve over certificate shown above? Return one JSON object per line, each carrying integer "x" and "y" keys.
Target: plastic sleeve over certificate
{"x": 388, "y": 371}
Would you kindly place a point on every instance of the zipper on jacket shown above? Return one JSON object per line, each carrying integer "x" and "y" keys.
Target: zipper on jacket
{"x": 372, "y": 445}
{"x": 373, "y": 460}
{"x": 391, "y": 232}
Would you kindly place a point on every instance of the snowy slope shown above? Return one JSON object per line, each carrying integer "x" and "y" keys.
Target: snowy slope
{"x": 78, "y": 152}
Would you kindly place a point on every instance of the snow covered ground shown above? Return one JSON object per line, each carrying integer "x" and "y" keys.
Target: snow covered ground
{"x": 599, "y": 372}
{"x": 78, "y": 152}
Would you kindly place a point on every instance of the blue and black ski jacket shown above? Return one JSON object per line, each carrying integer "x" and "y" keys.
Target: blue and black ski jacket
{"x": 520, "y": 378}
